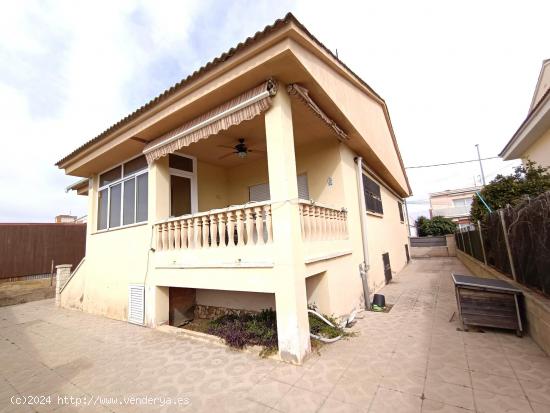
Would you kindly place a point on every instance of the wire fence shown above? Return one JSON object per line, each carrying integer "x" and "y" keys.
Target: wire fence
{"x": 515, "y": 241}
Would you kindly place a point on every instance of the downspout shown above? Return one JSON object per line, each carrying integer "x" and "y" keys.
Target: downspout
{"x": 364, "y": 267}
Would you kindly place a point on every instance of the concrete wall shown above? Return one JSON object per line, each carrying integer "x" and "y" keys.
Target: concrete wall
{"x": 537, "y": 307}
{"x": 239, "y": 300}
{"x": 539, "y": 152}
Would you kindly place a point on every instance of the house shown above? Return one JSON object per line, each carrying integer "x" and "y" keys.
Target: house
{"x": 532, "y": 139}
{"x": 241, "y": 187}
{"x": 454, "y": 204}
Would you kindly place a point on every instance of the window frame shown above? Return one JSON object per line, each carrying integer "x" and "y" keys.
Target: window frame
{"x": 185, "y": 174}
{"x": 120, "y": 181}
{"x": 402, "y": 214}
{"x": 370, "y": 211}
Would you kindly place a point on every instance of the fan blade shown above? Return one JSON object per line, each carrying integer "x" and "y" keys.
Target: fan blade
{"x": 257, "y": 150}
{"x": 227, "y": 155}
{"x": 226, "y": 146}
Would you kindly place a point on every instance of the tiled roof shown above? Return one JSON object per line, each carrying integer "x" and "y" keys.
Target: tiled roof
{"x": 278, "y": 24}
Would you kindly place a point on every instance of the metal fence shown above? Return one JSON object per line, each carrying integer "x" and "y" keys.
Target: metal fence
{"x": 515, "y": 241}
{"x": 29, "y": 249}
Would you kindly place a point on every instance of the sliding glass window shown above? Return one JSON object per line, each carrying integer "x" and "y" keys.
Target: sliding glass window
{"x": 122, "y": 196}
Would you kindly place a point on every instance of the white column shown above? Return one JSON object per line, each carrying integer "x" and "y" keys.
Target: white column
{"x": 61, "y": 277}
{"x": 290, "y": 294}
{"x": 156, "y": 298}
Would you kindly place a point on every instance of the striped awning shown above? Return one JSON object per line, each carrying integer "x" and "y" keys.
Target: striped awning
{"x": 239, "y": 109}
{"x": 302, "y": 94}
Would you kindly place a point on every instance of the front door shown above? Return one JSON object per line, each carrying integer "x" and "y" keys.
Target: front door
{"x": 180, "y": 195}
{"x": 183, "y": 185}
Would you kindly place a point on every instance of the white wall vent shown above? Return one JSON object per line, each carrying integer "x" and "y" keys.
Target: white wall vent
{"x": 136, "y": 304}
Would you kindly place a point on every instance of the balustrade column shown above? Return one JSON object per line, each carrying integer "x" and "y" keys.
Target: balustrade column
{"x": 183, "y": 234}
{"x": 177, "y": 236}
{"x": 239, "y": 223}
{"x": 249, "y": 226}
{"x": 259, "y": 226}
{"x": 221, "y": 229}
{"x": 164, "y": 236}
{"x": 197, "y": 223}
{"x": 205, "y": 231}
{"x": 230, "y": 229}
{"x": 213, "y": 231}
{"x": 269, "y": 226}
{"x": 159, "y": 237}
{"x": 190, "y": 233}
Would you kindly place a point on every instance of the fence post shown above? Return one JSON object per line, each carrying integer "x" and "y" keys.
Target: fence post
{"x": 462, "y": 237}
{"x": 507, "y": 242}
{"x": 481, "y": 240}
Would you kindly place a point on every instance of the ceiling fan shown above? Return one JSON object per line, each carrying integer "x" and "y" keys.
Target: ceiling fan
{"x": 240, "y": 149}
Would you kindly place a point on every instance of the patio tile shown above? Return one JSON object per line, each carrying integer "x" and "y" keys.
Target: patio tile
{"x": 336, "y": 406}
{"x": 447, "y": 374}
{"x": 300, "y": 401}
{"x": 507, "y": 386}
{"x": 487, "y": 402}
{"x": 358, "y": 392}
{"x": 287, "y": 373}
{"x": 396, "y": 402}
{"x": 433, "y": 406}
{"x": 404, "y": 382}
{"x": 452, "y": 394}
{"x": 536, "y": 391}
{"x": 268, "y": 392}
{"x": 540, "y": 408}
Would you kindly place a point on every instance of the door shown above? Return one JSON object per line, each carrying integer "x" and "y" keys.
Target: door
{"x": 180, "y": 195}
{"x": 387, "y": 267}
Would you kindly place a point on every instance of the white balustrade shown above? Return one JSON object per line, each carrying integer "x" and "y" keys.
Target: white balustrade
{"x": 320, "y": 223}
{"x": 239, "y": 226}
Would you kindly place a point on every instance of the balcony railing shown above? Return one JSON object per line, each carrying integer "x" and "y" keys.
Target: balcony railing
{"x": 322, "y": 223}
{"x": 237, "y": 226}
{"x": 452, "y": 211}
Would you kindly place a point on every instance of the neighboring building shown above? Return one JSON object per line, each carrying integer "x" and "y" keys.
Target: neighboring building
{"x": 241, "y": 188}
{"x": 65, "y": 219}
{"x": 532, "y": 139}
{"x": 454, "y": 204}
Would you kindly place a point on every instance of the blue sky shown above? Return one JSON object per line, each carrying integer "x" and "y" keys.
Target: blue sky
{"x": 453, "y": 74}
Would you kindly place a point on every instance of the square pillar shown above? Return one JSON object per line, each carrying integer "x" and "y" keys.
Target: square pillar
{"x": 289, "y": 266}
{"x": 159, "y": 190}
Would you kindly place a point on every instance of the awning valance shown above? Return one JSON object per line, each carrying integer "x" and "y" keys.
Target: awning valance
{"x": 239, "y": 109}
{"x": 302, "y": 94}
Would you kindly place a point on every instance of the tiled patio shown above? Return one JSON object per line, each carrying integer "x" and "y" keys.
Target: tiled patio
{"x": 409, "y": 360}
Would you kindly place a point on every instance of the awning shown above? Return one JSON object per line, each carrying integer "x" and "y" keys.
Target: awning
{"x": 302, "y": 94}
{"x": 239, "y": 109}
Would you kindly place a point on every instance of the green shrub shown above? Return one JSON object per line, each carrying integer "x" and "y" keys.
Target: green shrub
{"x": 435, "y": 226}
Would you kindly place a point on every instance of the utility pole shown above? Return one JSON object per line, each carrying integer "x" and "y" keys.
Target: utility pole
{"x": 480, "y": 165}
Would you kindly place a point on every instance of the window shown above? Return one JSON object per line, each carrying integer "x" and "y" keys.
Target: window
{"x": 122, "y": 196}
{"x": 462, "y": 202}
{"x": 400, "y": 206}
{"x": 373, "y": 198}
{"x": 259, "y": 193}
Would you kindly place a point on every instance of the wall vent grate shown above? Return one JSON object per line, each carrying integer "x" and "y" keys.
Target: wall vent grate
{"x": 136, "y": 304}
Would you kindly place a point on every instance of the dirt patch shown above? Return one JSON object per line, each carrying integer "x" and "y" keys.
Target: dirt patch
{"x": 19, "y": 292}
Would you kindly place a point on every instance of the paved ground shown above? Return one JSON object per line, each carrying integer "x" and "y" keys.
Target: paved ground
{"x": 409, "y": 360}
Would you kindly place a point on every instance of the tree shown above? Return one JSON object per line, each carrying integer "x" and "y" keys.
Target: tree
{"x": 435, "y": 226}
{"x": 528, "y": 180}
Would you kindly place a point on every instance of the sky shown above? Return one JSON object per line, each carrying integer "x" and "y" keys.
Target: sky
{"x": 453, "y": 74}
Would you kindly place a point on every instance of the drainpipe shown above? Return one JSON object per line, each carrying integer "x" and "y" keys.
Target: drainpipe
{"x": 364, "y": 266}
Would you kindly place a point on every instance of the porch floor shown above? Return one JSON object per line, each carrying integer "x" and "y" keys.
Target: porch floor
{"x": 411, "y": 359}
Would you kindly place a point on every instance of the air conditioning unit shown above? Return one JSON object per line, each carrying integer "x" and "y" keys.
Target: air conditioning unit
{"x": 136, "y": 304}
